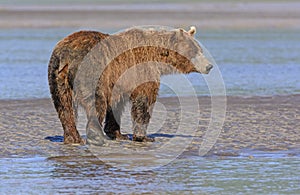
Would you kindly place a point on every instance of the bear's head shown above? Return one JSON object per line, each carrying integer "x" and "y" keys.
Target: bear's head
{"x": 175, "y": 50}
{"x": 186, "y": 45}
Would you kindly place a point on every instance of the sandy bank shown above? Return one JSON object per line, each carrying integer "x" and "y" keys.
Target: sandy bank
{"x": 205, "y": 15}
{"x": 256, "y": 123}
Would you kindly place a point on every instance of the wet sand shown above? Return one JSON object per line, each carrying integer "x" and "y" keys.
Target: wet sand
{"x": 265, "y": 124}
{"x": 204, "y": 15}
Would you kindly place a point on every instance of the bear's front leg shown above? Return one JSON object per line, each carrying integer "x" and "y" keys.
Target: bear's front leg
{"x": 140, "y": 114}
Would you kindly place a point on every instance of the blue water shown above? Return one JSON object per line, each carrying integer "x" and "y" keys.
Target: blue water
{"x": 251, "y": 63}
{"x": 257, "y": 63}
{"x": 88, "y": 175}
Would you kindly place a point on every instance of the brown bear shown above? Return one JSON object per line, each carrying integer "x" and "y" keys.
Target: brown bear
{"x": 102, "y": 72}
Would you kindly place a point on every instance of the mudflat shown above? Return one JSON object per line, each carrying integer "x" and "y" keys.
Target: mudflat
{"x": 31, "y": 127}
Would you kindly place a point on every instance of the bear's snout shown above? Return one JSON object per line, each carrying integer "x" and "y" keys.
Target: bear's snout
{"x": 209, "y": 67}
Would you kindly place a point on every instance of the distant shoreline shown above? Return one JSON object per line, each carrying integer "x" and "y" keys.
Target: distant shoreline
{"x": 205, "y": 15}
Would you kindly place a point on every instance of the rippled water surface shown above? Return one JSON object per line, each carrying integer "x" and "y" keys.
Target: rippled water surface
{"x": 260, "y": 174}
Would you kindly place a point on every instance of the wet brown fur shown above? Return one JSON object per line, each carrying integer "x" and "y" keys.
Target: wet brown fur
{"x": 68, "y": 54}
{"x": 142, "y": 96}
{"x": 110, "y": 93}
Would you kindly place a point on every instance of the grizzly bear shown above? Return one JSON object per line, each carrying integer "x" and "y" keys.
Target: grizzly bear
{"x": 101, "y": 72}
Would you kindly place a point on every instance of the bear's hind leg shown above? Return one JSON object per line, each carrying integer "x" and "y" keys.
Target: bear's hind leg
{"x": 96, "y": 111}
{"x": 94, "y": 128}
{"x": 67, "y": 118}
{"x": 62, "y": 99}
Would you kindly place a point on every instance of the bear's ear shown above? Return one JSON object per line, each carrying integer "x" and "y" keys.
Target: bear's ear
{"x": 192, "y": 31}
{"x": 181, "y": 30}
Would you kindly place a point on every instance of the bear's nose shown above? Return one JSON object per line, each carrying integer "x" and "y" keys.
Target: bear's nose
{"x": 209, "y": 67}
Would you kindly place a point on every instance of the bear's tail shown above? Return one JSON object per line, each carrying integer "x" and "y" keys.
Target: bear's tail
{"x": 52, "y": 80}
{"x": 56, "y": 90}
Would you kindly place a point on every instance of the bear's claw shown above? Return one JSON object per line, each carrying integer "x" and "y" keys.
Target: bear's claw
{"x": 143, "y": 139}
{"x": 120, "y": 136}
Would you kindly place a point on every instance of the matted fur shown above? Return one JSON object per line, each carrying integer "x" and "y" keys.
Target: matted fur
{"x": 101, "y": 72}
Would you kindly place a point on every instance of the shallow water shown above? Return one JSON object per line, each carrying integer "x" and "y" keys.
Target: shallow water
{"x": 260, "y": 174}
{"x": 251, "y": 63}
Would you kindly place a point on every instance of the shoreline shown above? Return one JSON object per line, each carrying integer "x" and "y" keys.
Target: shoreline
{"x": 204, "y": 15}
{"x": 254, "y": 96}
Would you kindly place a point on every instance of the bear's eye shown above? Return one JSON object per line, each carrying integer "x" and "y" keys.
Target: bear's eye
{"x": 165, "y": 53}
